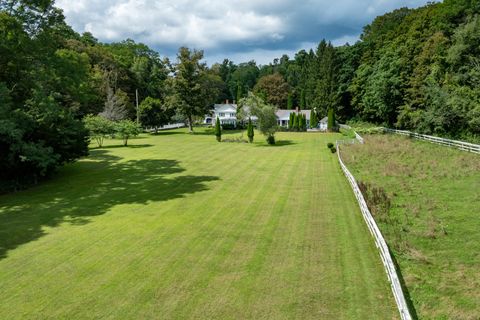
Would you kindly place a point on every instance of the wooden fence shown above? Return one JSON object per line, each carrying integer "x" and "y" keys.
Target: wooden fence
{"x": 466, "y": 146}
{"x": 377, "y": 235}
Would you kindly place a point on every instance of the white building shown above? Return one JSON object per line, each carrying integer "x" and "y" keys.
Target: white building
{"x": 323, "y": 124}
{"x": 227, "y": 114}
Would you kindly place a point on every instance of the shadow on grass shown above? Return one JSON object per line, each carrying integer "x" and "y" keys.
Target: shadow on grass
{"x": 133, "y": 146}
{"x": 166, "y": 133}
{"x": 196, "y": 132}
{"x": 90, "y": 188}
{"x": 280, "y": 143}
{"x": 406, "y": 293}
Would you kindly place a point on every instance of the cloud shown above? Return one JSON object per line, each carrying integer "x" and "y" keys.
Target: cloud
{"x": 236, "y": 28}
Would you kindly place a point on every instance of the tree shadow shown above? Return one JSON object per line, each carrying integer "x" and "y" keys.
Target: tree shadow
{"x": 166, "y": 133}
{"x": 206, "y": 132}
{"x": 90, "y": 188}
{"x": 280, "y": 143}
{"x": 132, "y": 146}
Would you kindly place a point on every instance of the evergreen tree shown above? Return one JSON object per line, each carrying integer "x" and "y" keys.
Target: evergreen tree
{"x": 290, "y": 102}
{"x": 239, "y": 92}
{"x": 218, "y": 130}
{"x": 313, "y": 119}
{"x": 290, "y": 121}
{"x": 295, "y": 122}
{"x": 331, "y": 120}
{"x": 303, "y": 104}
{"x": 250, "y": 131}
{"x": 304, "y": 122}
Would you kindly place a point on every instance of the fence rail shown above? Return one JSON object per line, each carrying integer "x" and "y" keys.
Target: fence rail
{"x": 357, "y": 136}
{"x": 379, "y": 241}
{"x": 466, "y": 146}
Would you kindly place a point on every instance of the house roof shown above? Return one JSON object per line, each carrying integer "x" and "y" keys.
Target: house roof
{"x": 283, "y": 114}
{"x": 225, "y": 107}
{"x": 324, "y": 120}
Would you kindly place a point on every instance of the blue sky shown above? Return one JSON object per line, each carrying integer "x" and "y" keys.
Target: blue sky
{"x": 240, "y": 30}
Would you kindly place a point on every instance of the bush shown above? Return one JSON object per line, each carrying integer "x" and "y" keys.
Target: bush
{"x": 99, "y": 127}
{"x": 333, "y": 149}
{"x": 250, "y": 131}
{"x": 218, "y": 130}
{"x": 229, "y": 126}
{"x": 330, "y": 145}
{"x": 126, "y": 129}
{"x": 271, "y": 140}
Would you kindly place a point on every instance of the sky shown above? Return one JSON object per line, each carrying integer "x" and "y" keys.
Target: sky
{"x": 240, "y": 30}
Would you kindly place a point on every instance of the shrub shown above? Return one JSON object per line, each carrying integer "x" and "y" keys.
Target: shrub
{"x": 250, "y": 132}
{"x": 333, "y": 149}
{"x": 271, "y": 140}
{"x": 330, "y": 145}
{"x": 98, "y": 127}
{"x": 295, "y": 126}
{"x": 218, "y": 130}
{"x": 229, "y": 126}
{"x": 126, "y": 129}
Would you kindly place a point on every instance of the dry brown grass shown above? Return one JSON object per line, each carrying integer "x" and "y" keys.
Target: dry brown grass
{"x": 433, "y": 222}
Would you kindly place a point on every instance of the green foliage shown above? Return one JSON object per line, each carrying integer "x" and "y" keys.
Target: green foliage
{"x": 193, "y": 88}
{"x": 313, "y": 119}
{"x": 296, "y": 123}
{"x": 330, "y": 145}
{"x": 98, "y": 128}
{"x": 333, "y": 150}
{"x": 267, "y": 120}
{"x": 273, "y": 88}
{"x": 153, "y": 113}
{"x": 291, "y": 120}
{"x": 303, "y": 104}
{"x": 218, "y": 130}
{"x": 271, "y": 140}
{"x": 36, "y": 140}
{"x": 126, "y": 129}
{"x": 250, "y": 130}
{"x": 290, "y": 102}
{"x": 331, "y": 125}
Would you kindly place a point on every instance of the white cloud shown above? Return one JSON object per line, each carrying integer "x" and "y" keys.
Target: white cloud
{"x": 232, "y": 28}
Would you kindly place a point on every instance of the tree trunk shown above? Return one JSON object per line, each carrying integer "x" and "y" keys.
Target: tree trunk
{"x": 190, "y": 123}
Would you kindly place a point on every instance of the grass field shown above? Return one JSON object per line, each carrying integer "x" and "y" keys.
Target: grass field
{"x": 178, "y": 226}
{"x": 433, "y": 223}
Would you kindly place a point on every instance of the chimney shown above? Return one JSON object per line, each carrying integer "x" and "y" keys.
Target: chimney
{"x": 227, "y": 101}
{"x": 296, "y": 109}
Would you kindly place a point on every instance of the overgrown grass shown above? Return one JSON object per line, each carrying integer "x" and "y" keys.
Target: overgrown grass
{"x": 179, "y": 226}
{"x": 426, "y": 199}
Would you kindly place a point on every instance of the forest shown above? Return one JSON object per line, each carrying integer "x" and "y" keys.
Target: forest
{"x": 415, "y": 69}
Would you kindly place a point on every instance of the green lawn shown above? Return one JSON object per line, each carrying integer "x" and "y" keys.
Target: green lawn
{"x": 433, "y": 225}
{"x": 178, "y": 226}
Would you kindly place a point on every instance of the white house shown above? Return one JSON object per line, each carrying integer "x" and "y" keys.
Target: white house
{"x": 323, "y": 124}
{"x": 283, "y": 116}
{"x": 227, "y": 114}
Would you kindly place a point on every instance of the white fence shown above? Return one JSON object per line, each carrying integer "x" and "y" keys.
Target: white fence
{"x": 379, "y": 241}
{"x": 466, "y": 146}
{"x": 357, "y": 136}
{"x": 166, "y": 127}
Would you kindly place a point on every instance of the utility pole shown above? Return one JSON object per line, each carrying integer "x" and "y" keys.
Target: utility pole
{"x": 138, "y": 111}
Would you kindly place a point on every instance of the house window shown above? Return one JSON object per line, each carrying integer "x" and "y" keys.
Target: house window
{"x": 232, "y": 115}
{"x": 221, "y": 114}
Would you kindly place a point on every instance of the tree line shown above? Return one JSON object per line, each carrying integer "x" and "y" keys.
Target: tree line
{"x": 417, "y": 69}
